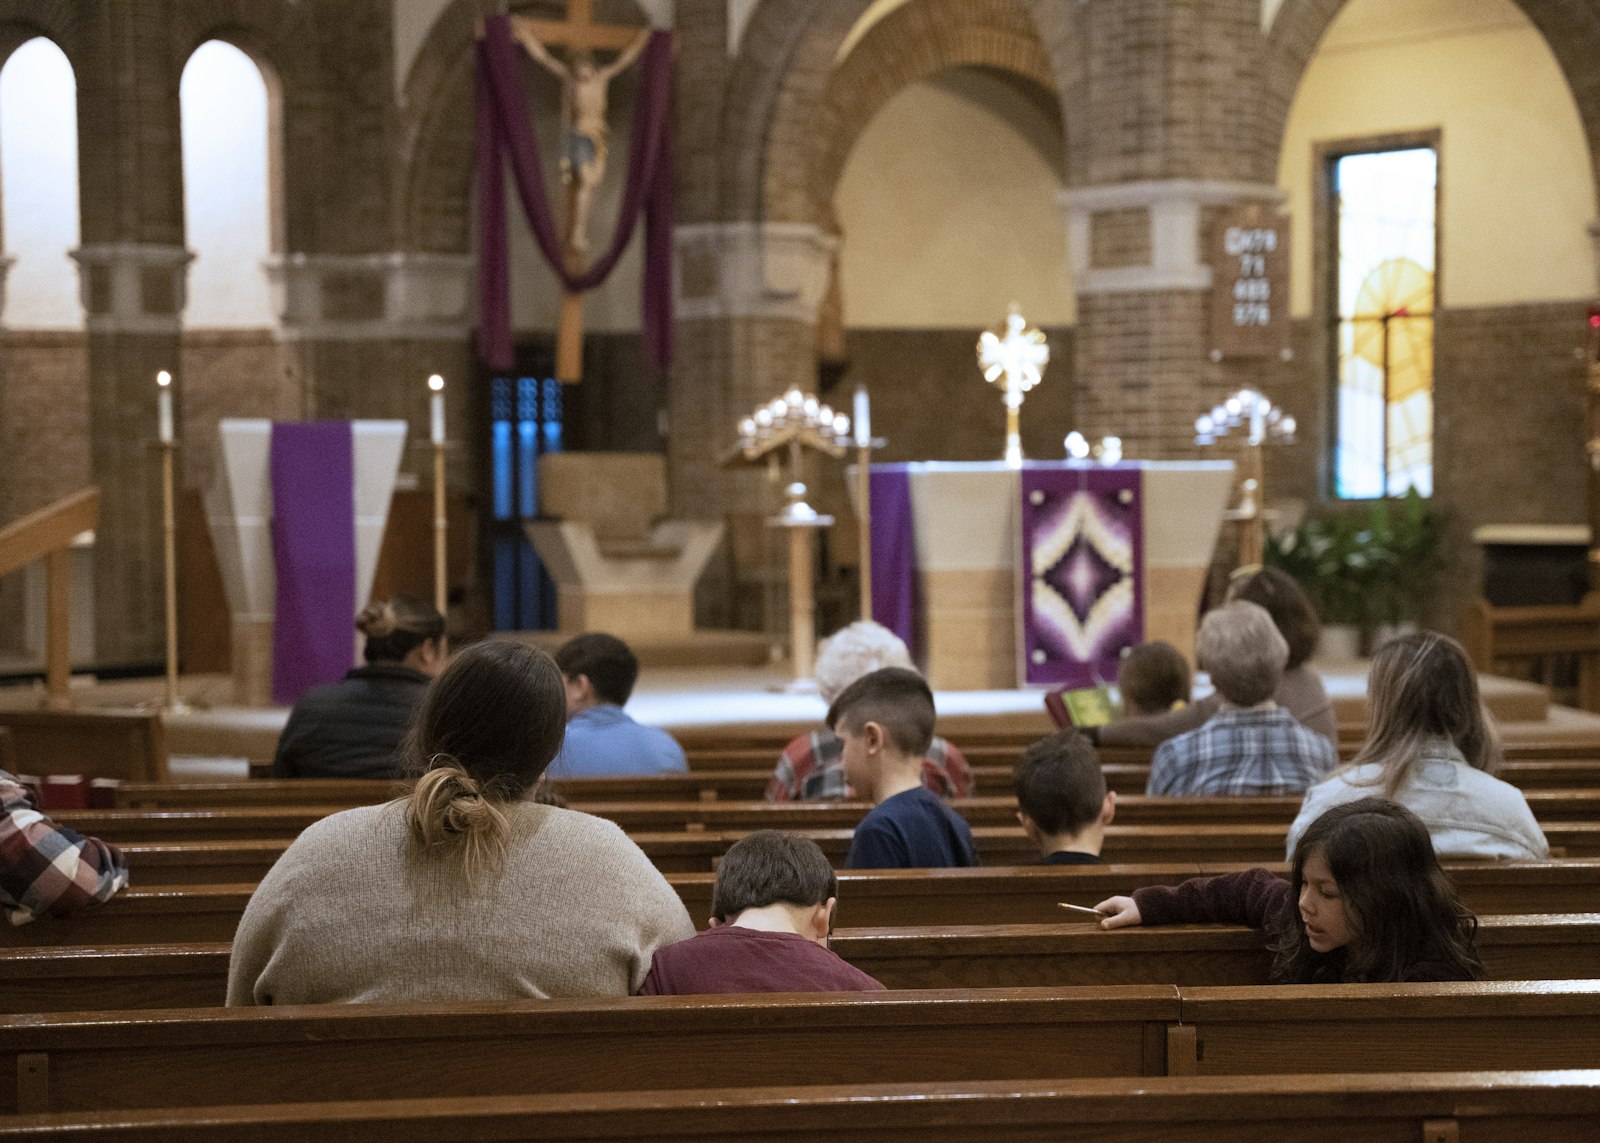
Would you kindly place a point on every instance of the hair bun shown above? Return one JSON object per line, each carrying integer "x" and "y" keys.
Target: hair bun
{"x": 377, "y": 620}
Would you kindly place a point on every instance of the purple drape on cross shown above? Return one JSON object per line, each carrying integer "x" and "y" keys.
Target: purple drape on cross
{"x": 505, "y": 130}
{"x": 314, "y": 555}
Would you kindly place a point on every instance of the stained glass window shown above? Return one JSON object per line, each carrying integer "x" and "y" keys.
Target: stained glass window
{"x": 1385, "y": 234}
{"x": 525, "y": 423}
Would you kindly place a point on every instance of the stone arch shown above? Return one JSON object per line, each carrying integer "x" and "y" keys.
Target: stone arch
{"x": 436, "y": 137}
{"x": 274, "y": 35}
{"x": 911, "y": 44}
{"x": 1571, "y": 29}
{"x": 779, "y": 83}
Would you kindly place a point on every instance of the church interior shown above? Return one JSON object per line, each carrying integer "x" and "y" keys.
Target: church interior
{"x": 1023, "y": 328}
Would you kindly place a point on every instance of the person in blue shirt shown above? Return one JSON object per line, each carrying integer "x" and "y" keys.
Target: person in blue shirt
{"x": 602, "y": 741}
{"x": 885, "y": 722}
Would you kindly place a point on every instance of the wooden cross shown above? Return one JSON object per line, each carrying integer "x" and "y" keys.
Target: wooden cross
{"x": 578, "y": 32}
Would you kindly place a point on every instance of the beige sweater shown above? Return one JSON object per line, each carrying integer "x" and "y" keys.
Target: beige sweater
{"x": 352, "y": 913}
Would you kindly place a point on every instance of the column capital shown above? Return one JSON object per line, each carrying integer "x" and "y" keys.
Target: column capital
{"x": 751, "y": 269}
{"x": 367, "y": 297}
{"x": 1141, "y": 236}
{"x": 133, "y": 287}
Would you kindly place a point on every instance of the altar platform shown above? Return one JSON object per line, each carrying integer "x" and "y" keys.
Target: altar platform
{"x": 216, "y": 739}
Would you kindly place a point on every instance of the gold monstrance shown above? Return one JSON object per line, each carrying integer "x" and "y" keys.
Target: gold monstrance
{"x": 1013, "y": 356}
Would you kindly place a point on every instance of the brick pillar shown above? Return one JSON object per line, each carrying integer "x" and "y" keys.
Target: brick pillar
{"x": 1142, "y": 368}
{"x": 132, "y": 266}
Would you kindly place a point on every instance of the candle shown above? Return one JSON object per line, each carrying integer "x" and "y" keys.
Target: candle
{"x": 863, "y": 418}
{"x": 164, "y": 407}
{"x": 436, "y": 384}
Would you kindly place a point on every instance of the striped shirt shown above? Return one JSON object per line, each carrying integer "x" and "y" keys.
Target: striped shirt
{"x": 46, "y": 870}
{"x": 1241, "y": 754}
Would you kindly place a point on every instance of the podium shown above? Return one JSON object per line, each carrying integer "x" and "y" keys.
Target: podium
{"x": 240, "y": 512}
{"x": 955, "y": 549}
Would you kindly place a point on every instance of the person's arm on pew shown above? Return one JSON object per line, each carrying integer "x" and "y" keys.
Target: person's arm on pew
{"x": 45, "y": 869}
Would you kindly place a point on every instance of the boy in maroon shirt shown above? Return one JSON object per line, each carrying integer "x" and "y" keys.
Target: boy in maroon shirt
{"x": 772, "y": 908}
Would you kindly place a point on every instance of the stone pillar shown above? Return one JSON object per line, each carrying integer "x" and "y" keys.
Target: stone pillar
{"x": 133, "y": 297}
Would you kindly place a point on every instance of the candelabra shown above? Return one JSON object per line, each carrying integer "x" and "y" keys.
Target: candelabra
{"x": 1108, "y": 451}
{"x": 1264, "y": 423}
{"x": 780, "y": 431}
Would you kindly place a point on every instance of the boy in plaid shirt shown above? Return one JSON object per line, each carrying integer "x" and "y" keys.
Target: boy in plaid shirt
{"x": 46, "y": 870}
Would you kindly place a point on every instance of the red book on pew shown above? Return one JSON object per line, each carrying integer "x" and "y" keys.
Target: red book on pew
{"x": 64, "y": 792}
{"x": 103, "y": 793}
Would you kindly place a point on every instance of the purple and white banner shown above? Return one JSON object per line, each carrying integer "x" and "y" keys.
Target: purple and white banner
{"x": 1081, "y": 582}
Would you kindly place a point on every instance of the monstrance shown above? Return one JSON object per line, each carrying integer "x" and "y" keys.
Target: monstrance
{"x": 1265, "y": 422}
{"x": 776, "y": 434}
{"x": 1013, "y": 356}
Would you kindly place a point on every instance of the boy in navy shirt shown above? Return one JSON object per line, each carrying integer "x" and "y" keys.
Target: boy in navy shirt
{"x": 885, "y": 722}
{"x": 1062, "y": 800}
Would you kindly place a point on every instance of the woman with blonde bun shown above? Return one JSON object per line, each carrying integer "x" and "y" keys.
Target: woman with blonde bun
{"x": 467, "y": 888}
{"x": 352, "y": 728}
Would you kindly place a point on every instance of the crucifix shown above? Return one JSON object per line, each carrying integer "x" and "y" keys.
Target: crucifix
{"x": 584, "y": 91}
{"x": 1013, "y": 357}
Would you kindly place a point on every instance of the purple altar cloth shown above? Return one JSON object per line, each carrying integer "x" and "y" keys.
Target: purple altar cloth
{"x": 1081, "y": 580}
{"x": 314, "y": 553}
{"x": 896, "y": 601}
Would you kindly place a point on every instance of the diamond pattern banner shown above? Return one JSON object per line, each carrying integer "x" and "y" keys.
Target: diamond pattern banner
{"x": 1081, "y": 580}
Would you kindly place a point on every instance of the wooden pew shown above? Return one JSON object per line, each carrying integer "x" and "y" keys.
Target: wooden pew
{"x": 1513, "y": 947}
{"x": 1554, "y": 1107}
{"x": 193, "y": 1057}
{"x": 150, "y": 913}
{"x": 187, "y": 1058}
{"x": 126, "y": 744}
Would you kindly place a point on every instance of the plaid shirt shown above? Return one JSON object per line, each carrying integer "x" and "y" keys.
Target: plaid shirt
{"x": 811, "y": 769}
{"x": 46, "y": 870}
{"x": 1241, "y": 754}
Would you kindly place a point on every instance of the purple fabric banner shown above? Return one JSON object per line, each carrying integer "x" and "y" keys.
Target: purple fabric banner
{"x": 314, "y": 552}
{"x": 505, "y": 130}
{"x": 1081, "y": 581}
{"x": 896, "y": 600}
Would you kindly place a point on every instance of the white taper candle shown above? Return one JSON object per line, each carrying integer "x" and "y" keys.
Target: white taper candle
{"x": 863, "y": 418}
{"x": 164, "y": 407}
{"x": 436, "y": 383}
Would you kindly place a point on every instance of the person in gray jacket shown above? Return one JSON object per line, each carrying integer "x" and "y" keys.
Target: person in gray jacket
{"x": 1433, "y": 748}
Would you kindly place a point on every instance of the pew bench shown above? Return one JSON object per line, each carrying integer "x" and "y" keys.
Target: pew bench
{"x": 184, "y": 1058}
{"x": 151, "y": 913}
{"x": 1554, "y": 1107}
{"x": 1543, "y": 946}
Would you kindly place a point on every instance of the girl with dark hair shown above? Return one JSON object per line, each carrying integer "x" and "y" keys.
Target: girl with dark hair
{"x": 353, "y": 728}
{"x": 468, "y": 888}
{"x": 1366, "y": 902}
{"x": 1433, "y": 748}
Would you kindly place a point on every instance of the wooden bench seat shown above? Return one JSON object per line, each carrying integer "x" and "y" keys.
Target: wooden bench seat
{"x": 184, "y": 1058}
{"x": 1553, "y": 1107}
{"x": 1560, "y": 946}
{"x": 150, "y": 912}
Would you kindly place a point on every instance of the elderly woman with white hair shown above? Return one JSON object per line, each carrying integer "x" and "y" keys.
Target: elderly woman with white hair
{"x": 811, "y": 768}
{"x": 1251, "y": 746}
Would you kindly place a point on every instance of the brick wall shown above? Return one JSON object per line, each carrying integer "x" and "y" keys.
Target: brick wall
{"x": 230, "y": 373}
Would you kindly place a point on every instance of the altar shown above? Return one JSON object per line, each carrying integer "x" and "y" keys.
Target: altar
{"x": 999, "y": 577}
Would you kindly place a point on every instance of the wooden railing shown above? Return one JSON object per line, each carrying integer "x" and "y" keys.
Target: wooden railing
{"x": 48, "y": 534}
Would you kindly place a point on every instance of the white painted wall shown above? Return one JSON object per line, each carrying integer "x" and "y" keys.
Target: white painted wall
{"x": 1516, "y": 187}
{"x": 39, "y": 186}
{"x": 949, "y": 213}
{"x": 226, "y": 203}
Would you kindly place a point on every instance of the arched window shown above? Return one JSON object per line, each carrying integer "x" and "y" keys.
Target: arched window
{"x": 227, "y": 198}
{"x": 39, "y": 187}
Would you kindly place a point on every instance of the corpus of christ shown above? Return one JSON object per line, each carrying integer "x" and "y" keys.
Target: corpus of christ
{"x": 1041, "y": 557}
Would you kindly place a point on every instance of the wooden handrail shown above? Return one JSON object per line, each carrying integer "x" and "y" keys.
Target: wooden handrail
{"x": 47, "y": 534}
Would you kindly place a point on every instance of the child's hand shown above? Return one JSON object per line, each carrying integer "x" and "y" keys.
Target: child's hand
{"x": 1120, "y": 912}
